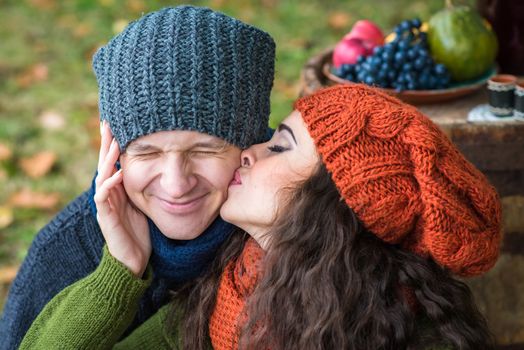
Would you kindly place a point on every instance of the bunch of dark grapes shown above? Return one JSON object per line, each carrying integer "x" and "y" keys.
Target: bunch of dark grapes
{"x": 402, "y": 64}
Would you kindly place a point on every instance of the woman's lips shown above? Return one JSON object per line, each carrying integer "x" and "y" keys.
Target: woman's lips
{"x": 236, "y": 179}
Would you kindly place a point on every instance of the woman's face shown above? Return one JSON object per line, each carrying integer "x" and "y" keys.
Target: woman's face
{"x": 259, "y": 187}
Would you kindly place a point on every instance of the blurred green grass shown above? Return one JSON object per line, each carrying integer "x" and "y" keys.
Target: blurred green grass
{"x": 45, "y": 53}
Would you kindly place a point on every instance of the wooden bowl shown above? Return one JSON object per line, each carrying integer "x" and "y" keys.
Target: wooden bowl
{"x": 456, "y": 90}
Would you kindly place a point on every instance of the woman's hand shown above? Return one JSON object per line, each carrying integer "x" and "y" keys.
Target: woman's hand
{"x": 124, "y": 227}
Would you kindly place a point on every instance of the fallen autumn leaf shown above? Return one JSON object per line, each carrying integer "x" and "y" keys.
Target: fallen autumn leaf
{"x": 6, "y": 216}
{"x": 5, "y": 152}
{"x": 32, "y": 199}
{"x": 38, "y": 165}
{"x": 33, "y": 74}
{"x": 8, "y": 274}
{"x": 51, "y": 120}
{"x": 339, "y": 20}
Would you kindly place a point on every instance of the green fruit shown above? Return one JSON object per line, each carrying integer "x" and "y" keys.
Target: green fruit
{"x": 460, "y": 39}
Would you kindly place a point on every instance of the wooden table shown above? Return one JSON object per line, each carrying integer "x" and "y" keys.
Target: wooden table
{"x": 496, "y": 148}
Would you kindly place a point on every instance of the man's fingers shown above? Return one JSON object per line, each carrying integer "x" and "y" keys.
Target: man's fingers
{"x": 108, "y": 167}
{"x": 105, "y": 142}
{"x": 120, "y": 192}
{"x": 103, "y": 192}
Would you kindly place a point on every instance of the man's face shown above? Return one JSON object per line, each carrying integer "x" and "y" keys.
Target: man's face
{"x": 179, "y": 179}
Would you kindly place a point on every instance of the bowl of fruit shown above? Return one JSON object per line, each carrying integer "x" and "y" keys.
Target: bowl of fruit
{"x": 415, "y": 62}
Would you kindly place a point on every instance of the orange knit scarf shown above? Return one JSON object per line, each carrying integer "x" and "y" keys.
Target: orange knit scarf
{"x": 237, "y": 283}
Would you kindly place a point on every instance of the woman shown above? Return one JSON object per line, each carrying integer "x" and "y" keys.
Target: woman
{"x": 356, "y": 212}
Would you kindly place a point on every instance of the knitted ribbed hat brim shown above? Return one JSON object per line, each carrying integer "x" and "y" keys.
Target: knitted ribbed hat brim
{"x": 187, "y": 68}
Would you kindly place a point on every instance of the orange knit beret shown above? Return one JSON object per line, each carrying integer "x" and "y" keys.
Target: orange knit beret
{"x": 404, "y": 179}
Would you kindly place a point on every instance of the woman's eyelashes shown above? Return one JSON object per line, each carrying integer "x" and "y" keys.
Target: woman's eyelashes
{"x": 277, "y": 148}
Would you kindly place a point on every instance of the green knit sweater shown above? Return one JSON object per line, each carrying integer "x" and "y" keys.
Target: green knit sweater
{"x": 94, "y": 312}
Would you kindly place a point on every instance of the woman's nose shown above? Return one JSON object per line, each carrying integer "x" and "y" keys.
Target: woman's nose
{"x": 247, "y": 157}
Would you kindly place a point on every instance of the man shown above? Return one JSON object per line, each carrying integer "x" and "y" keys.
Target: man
{"x": 182, "y": 91}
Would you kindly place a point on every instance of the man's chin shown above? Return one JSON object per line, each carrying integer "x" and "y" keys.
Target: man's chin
{"x": 182, "y": 236}
{"x": 183, "y": 231}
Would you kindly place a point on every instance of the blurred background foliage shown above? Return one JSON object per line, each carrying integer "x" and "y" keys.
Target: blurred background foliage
{"x": 48, "y": 94}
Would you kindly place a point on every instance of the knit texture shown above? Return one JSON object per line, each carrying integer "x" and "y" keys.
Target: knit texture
{"x": 91, "y": 313}
{"x": 65, "y": 318}
{"x": 237, "y": 283}
{"x": 66, "y": 250}
{"x": 404, "y": 179}
{"x": 187, "y": 68}
{"x": 94, "y": 312}
{"x": 181, "y": 261}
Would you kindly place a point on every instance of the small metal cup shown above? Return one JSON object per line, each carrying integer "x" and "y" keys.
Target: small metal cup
{"x": 519, "y": 99}
{"x": 501, "y": 94}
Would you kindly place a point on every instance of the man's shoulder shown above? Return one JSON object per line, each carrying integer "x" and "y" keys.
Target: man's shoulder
{"x": 72, "y": 236}
{"x": 76, "y": 209}
{"x": 75, "y": 219}
{"x": 66, "y": 249}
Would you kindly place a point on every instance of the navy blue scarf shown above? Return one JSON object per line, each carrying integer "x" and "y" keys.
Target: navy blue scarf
{"x": 176, "y": 260}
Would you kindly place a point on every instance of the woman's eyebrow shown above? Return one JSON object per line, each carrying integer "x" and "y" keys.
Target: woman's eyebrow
{"x": 288, "y": 129}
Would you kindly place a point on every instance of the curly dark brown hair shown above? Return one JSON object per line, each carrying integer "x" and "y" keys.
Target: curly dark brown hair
{"x": 330, "y": 284}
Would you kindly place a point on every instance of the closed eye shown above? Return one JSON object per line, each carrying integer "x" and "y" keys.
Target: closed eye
{"x": 204, "y": 152}
{"x": 145, "y": 155}
{"x": 277, "y": 149}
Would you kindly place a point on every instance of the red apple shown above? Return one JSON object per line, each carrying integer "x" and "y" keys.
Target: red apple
{"x": 348, "y": 50}
{"x": 368, "y": 32}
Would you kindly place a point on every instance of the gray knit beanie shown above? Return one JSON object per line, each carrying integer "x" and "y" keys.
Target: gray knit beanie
{"x": 187, "y": 68}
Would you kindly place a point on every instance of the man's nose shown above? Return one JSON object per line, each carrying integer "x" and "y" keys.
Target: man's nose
{"x": 177, "y": 178}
